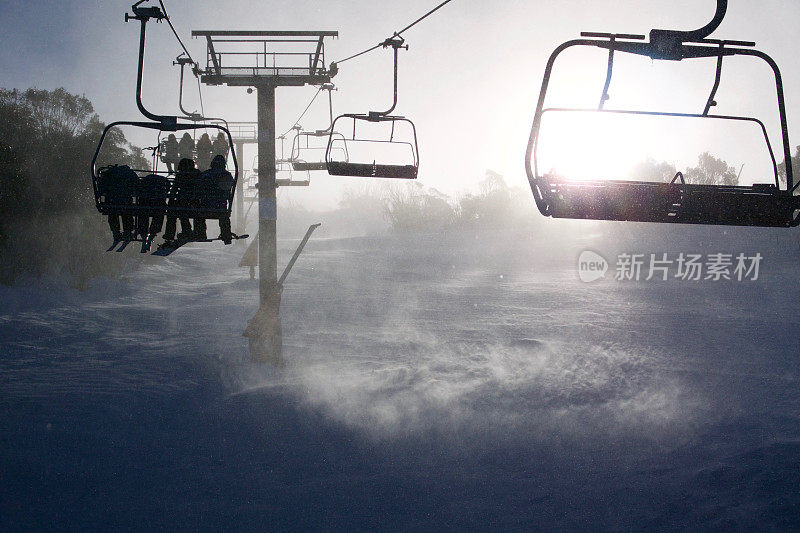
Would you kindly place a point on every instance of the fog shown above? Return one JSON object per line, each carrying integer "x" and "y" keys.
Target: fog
{"x": 469, "y": 81}
{"x": 444, "y": 364}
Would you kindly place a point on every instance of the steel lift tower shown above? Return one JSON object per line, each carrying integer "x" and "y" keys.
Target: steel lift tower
{"x": 266, "y": 60}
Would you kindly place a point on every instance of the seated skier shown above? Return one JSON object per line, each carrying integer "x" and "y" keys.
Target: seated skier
{"x": 186, "y": 147}
{"x": 181, "y": 195}
{"x": 220, "y": 145}
{"x": 204, "y": 151}
{"x": 215, "y": 186}
{"x": 117, "y": 185}
{"x": 171, "y": 152}
{"x": 152, "y": 193}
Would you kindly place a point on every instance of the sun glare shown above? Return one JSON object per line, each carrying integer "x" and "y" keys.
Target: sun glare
{"x": 582, "y": 146}
{"x": 588, "y": 145}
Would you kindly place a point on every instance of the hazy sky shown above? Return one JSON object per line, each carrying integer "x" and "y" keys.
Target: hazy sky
{"x": 469, "y": 81}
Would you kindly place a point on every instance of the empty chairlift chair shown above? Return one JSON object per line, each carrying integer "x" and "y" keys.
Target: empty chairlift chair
{"x": 376, "y": 144}
{"x": 309, "y": 146}
{"x": 676, "y": 201}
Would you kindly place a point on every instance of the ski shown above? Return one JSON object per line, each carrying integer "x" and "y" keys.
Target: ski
{"x": 168, "y": 247}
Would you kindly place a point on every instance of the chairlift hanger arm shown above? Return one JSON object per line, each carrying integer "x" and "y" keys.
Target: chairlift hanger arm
{"x": 609, "y": 73}
{"x": 143, "y": 15}
{"x": 397, "y": 43}
{"x": 330, "y": 88}
{"x": 195, "y": 117}
{"x": 667, "y": 42}
{"x": 183, "y": 61}
{"x": 711, "y": 102}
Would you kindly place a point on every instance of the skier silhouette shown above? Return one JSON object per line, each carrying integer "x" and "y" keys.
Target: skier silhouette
{"x": 204, "y": 152}
{"x": 186, "y": 147}
{"x": 118, "y": 184}
{"x": 171, "y": 152}
{"x": 181, "y": 195}
{"x": 216, "y": 184}
{"x": 220, "y": 146}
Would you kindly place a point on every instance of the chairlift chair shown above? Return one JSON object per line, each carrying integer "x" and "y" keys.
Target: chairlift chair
{"x": 134, "y": 203}
{"x": 766, "y": 205}
{"x": 183, "y": 60}
{"x": 132, "y": 199}
{"x": 308, "y": 151}
{"x": 341, "y": 159}
{"x": 309, "y": 146}
{"x": 287, "y": 174}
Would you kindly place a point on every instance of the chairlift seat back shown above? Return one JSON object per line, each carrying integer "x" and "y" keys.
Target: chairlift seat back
{"x": 613, "y": 200}
{"x": 306, "y": 166}
{"x": 637, "y": 201}
{"x": 156, "y": 195}
{"x": 366, "y": 170}
{"x": 152, "y": 191}
{"x": 117, "y": 184}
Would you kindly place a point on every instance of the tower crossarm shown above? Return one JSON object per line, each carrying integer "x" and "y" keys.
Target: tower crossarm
{"x": 250, "y": 58}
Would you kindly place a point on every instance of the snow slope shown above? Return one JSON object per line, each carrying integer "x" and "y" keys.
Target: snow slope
{"x": 464, "y": 381}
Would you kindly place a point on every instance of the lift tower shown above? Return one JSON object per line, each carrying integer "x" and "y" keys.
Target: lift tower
{"x": 266, "y": 60}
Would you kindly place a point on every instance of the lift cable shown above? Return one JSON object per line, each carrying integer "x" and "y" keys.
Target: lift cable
{"x": 396, "y": 34}
{"x": 426, "y": 15}
{"x": 195, "y": 69}
{"x": 185, "y": 50}
{"x": 200, "y": 92}
{"x": 359, "y": 54}
{"x": 296, "y": 122}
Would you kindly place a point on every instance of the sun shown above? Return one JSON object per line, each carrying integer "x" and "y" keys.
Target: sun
{"x": 586, "y": 145}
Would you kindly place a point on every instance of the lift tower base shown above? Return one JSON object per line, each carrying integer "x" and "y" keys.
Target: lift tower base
{"x": 266, "y": 60}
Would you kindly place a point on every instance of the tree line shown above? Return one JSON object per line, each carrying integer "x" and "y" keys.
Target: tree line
{"x": 414, "y": 207}
{"x": 48, "y": 222}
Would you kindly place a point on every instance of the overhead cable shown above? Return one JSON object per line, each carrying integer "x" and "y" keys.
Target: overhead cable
{"x": 296, "y": 122}
{"x": 185, "y": 51}
{"x": 396, "y": 34}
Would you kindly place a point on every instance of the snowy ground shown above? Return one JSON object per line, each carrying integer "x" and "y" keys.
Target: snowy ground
{"x": 458, "y": 382}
